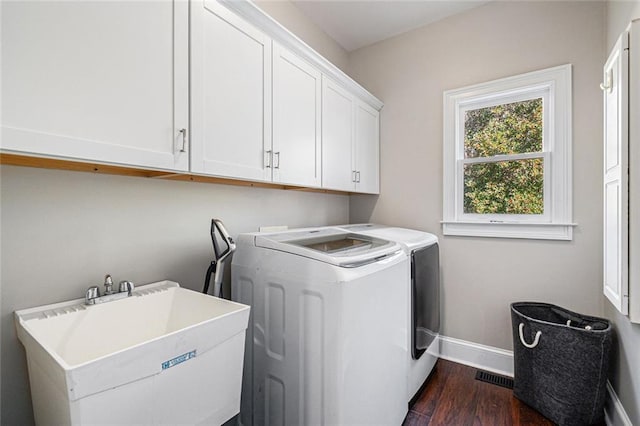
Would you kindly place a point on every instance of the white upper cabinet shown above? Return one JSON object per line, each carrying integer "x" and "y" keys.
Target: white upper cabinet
{"x": 201, "y": 86}
{"x": 367, "y": 149}
{"x": 98, "y": 81}
{"x": 296, "y": 120}
{"x": 230, "y": 94}
{"x": 616, "y": 180}
{"x": 338, "y": 107}
{"x": 350, "y": 141}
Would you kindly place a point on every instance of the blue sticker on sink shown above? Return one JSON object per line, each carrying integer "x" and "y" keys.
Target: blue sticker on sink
{"x": 179, "y": 359}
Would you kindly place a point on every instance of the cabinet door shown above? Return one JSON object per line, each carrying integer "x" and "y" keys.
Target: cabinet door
{"x": 338, "y": 106}
{"x": 296, "y": 120}
{"x": 634, "y": 171}
{"x": 99, "y": 81}
{"x": 230, "y": 94}
{"x": 616, "y": 185}
{"x": 367, "y": 149}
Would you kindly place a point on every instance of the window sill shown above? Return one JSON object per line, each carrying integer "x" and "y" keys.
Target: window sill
{"x": 526, "y": 230}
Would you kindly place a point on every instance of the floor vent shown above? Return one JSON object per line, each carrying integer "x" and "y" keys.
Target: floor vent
{"x": 494, "y": 379}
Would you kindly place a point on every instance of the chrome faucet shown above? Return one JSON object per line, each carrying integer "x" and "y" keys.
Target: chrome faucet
{"x": 92, "y": 296}
{"x": 108, "y": 284}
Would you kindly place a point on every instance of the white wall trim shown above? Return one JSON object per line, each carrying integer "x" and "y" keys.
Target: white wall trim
{"x": 614, "y": 413}
{"x": 488, "y": 358}
{"x": 500, "y": 361}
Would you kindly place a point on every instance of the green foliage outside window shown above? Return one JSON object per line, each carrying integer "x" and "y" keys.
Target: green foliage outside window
{"x": 511, "y": 186}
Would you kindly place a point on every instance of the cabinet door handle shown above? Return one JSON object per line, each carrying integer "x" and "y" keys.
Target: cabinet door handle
{"x": 276, "y": 160}
{"x": 358, "y": 176}
{"x": 184, "y": 140}
{"x": 353, "y": 176}
{"x": 267, "y": 159}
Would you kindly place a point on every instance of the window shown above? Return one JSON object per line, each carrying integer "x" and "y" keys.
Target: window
{"x": 507, "y": 157}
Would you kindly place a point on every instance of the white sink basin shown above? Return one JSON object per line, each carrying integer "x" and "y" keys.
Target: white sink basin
{"x": 165, "y": 355}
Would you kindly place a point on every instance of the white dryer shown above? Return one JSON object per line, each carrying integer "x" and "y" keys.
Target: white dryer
{"x": 423, "y": 286}
{"x": 326, "y": 343}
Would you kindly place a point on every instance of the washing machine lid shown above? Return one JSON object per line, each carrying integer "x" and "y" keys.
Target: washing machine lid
{"x": 331, "y": 245}
{"x": 411, "y": 238}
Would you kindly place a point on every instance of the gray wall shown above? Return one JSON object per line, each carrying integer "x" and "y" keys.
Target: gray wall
{"x": 625, "y": 376}
{"x": 619, "y": 14}
{"x": 481, "y": 276}
{"x": 62, "y": 231}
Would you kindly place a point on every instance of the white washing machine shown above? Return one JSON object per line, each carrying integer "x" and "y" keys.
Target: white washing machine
{"x": 424, "y": 290}
{"x": 326, "y": 343}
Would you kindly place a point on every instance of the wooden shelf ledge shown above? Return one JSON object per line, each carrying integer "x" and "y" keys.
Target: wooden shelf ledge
{"x": 110, "y": 169}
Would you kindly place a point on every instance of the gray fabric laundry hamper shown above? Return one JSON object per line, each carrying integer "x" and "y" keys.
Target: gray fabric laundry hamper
{"x": 561, "y": 361}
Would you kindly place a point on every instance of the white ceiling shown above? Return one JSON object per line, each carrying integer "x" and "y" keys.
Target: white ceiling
{"x": 359, "y": 23}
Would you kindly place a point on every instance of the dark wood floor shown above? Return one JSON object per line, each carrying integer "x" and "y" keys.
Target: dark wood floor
{"x": 453, "y": 397}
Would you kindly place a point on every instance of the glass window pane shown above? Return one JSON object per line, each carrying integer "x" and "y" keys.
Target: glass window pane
{"x": 504, "y": 187}
{"x": 513, "y": 128}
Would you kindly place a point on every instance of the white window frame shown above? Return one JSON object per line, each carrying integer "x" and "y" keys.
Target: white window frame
{"x": 553, "y": 85}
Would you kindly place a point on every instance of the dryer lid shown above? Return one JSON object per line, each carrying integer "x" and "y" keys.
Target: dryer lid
{"x": 334, "y": 246}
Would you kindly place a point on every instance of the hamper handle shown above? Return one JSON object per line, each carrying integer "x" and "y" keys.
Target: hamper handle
{"x": 535, "y": 339}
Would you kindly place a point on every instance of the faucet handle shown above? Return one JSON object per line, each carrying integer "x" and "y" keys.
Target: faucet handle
{"x": 126, "y": 286}
{"x": 93, "y": 292}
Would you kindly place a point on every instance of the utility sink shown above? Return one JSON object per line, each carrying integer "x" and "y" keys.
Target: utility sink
{"x": 164, "y": 355}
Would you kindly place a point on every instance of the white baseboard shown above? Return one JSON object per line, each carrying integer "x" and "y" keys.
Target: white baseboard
{"x": 500, "y": 361}
{"x": 476, "y": 355}
{"x": 614, "y": 413}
